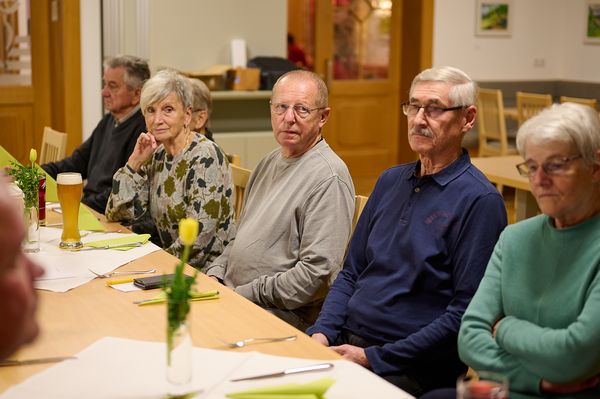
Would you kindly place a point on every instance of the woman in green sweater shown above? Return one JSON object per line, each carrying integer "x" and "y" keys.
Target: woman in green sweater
{"x": 535, "y": 317}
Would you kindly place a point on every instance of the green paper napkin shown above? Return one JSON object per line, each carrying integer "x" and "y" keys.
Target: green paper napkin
{"x": 87, "y": 220}
{"x": 132, "y": 239}
{"x": 51, "y": 193}
{"x": 196, "y": 296}
{"x": 312, "y": 390}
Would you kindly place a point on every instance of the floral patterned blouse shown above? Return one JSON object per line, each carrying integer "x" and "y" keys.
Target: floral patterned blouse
{"x": 196, "y": 184}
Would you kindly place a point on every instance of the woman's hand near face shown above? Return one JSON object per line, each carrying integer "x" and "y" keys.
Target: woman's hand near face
{"x": 144, "y": 148}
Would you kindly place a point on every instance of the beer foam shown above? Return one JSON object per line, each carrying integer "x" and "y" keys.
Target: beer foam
{"x": 68, "y": 178}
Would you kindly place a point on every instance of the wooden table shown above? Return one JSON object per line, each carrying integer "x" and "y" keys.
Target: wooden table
{"x": 502, "y": 170}
{"x": 73, "y": 320}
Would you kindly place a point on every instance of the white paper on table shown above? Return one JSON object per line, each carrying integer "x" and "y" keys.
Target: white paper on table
{"x": 69, "y": 269}
{"x": 122, "y": 368}
{"x": 125, "y": 287}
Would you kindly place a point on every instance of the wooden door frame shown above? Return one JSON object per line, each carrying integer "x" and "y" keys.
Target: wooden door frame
{"x": 65, "y": 71}
{"x": 416, "y": 55}
{"x": 415, "y": 39}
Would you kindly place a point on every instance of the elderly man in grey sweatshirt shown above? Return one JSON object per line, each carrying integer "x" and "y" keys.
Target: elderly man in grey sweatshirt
{"x": 297, "y": 216}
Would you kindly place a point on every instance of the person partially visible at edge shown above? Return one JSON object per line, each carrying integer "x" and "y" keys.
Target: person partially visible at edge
{"x": 201, "y": 108}
{"x": 113, "y": 139}
{"x": 174, "y": 173}
{"x": 535, "y": 316}
{"x": 18, "y": 300}
{"x": 295, "y": 53}
{"x": 298, "y": 209}
{"x": 419, "y": 248}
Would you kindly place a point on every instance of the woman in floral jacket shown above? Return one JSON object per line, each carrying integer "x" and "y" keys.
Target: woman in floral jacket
{"x": 174, "y": 173}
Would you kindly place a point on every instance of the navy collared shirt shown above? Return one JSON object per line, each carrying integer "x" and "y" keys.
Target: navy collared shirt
{"x": 415, "y": 260}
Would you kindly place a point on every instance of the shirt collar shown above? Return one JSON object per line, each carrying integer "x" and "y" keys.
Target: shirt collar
{"x": 129, "y": 115}
{"x": 449, "y": 173}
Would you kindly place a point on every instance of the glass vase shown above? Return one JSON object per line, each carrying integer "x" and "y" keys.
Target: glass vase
{"x": 32, "y": 224}
{"x": 179, "y": 358}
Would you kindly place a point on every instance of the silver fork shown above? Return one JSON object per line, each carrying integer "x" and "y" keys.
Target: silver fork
{"x": 107, "y": 275}
{"x": 110, "y": 246}
{"x": 244, "y": 342}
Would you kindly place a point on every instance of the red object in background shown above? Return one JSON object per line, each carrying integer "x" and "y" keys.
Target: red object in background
{"x": 42, "y": 200}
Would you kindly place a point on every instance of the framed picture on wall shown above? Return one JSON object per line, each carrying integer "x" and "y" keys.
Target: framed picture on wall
{"x": 592, "y": 27}
{"x": 494, "y": 17}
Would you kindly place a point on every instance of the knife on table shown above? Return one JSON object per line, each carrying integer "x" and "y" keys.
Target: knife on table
{"x": 6, "y": 363}
{"x": 296, "y": 370}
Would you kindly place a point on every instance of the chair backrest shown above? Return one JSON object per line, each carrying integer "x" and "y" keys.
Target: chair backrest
{"x": 54, "y": 146}
{"x": 493, "y": 139}
{"x": 530, "y": 104}
{"x": 592, "y": 102}
{"x": 234, "y": 159}
{"x": 240, "y": 180}
{"x": 359, "y": 204}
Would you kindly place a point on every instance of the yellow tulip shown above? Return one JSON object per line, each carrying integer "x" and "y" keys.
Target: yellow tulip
{"x": 32, "y": 155}
{"x": 188, "y": 231}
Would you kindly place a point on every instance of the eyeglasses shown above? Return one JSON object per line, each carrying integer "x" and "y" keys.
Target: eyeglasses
{"x": 553, "y": 167}
{"x": 431, "y": 111}
{"x": 299, "y": 110}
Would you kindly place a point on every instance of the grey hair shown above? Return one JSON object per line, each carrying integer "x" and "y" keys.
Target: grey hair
{"x": 568, "y": 123}
{"x": 137, "y": 71}
{"x": 463, "y": 90}
{"x": 162, "y": 84}
{"x": 202, "y": 100}
{"x": 322, "y": 99}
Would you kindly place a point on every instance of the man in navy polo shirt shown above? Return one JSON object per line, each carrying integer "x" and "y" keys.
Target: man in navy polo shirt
{"x": 419, "y": 249}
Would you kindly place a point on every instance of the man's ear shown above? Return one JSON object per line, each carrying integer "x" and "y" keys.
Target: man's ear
{"x": 137, "y": 93}
{"x": 324, "y": 116}
{"x": 470, "y": 117}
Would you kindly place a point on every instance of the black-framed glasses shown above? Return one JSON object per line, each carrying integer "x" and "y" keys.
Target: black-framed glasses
{"x": 299, "y": 110}
{"x": 431, "y": 110}
{"x": 554, "y": 167}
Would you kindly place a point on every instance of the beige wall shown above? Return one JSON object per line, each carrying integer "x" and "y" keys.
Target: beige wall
{"x": 550, "y": 32}
{"x": 195, "y": 34}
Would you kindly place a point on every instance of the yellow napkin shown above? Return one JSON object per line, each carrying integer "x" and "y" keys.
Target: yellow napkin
{"x": 87, "y": 220}
{"x": 138, "y": 238}
{"x": 196, "y": 296}
{"x": 311, "y": 390}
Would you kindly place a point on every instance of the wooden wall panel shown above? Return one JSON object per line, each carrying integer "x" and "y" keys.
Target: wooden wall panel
{"x": 16, "y": 132}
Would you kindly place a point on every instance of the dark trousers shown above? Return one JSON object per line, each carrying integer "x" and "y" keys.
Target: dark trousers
{"x": 415, "y": 381}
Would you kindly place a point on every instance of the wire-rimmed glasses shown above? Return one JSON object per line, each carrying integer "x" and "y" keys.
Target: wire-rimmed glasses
{"x": 300, "y": 111}
{"x": 431, "y": 110}
{"x": 554, "y": 167}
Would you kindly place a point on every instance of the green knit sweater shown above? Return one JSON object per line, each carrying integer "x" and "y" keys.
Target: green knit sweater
{"x": 544, "y": 283}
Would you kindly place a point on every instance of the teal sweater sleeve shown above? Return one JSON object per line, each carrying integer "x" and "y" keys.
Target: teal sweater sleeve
{"x": 560, "y": 355}
{"x": 477, "y": 347}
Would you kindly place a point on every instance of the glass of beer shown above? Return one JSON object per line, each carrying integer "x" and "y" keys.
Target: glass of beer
{"x": 70, "y": 187}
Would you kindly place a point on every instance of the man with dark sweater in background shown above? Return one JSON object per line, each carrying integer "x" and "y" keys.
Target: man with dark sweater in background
{"x": 113, "y": 139}
{"x": 419, "y": 249}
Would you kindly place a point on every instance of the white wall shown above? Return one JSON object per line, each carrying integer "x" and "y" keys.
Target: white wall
{"x": 201, "y": 36}
{"x": 550, "y": 31}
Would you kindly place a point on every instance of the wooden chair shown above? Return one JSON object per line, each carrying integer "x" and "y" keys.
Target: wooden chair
{"x": 54, "y": 146}
{"x": 592, "y": 102}
{"x": 493, "y": 139}
{"x": 359, "y": 204}
{"x": 240, "y": 180}
{"x": 234, "y": 159}
{"x": 530, "y": 104}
